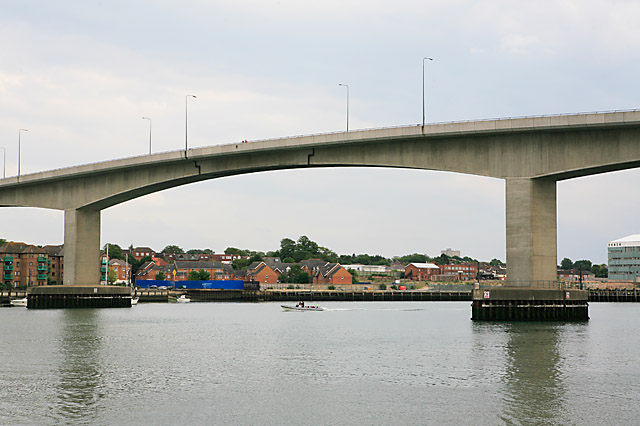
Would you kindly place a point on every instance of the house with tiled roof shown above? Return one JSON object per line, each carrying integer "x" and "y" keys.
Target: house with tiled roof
{"x": 262, "y": 273}
{"x": 332, "y": 274}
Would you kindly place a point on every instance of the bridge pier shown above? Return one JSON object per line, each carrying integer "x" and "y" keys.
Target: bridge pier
{"x": 81, "y": 247}
{"x": 532, "y": 292}
{"x": 531, "y": 230}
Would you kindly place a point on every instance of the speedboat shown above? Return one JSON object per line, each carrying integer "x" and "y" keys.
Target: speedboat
{"x": 19, "y": 302}
{"x": 134, "y": 301}
{"x": 183, "y": 299}
{"x": 301, "y": 307}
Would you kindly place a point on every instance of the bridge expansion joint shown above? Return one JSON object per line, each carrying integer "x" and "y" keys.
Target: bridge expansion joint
{"x": 313, "y": 152}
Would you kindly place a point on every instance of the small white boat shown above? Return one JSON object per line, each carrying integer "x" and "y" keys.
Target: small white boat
{"x": 19, "y": 302}
{"x": 301, "y": 307}
{"x": 183, "y": 299}
{"x": 134, "y": 301}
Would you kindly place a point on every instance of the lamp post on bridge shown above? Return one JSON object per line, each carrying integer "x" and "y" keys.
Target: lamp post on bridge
{"x": 186, "y": 145}
{"x": 19, "y": 131}
{"x": 347, "y": 86}
{"x": 147, "y": 118}
{"x": 4, "y": 162}
{"x": 423, "y": 107}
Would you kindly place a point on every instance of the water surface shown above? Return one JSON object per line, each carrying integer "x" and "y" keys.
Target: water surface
{"x": 377, "y": 363}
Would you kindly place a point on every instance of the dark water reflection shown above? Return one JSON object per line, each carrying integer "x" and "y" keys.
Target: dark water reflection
{"x": 534, "y": 392}
{"x": 79, "y": 372}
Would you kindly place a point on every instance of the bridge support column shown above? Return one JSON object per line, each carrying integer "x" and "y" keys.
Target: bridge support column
{"x": 531, "y": 231}
{"x": 82, "y": 247}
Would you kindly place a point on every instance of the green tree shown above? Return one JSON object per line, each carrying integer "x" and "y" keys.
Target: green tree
{"x": 112, "y": 277}
{"x": 443, "y": 259}
{"x": 412, "y": 258}
{"x": 566, "y": 263}
{"x": 200, "y": 275}
{"x": 172, "y": 249}
{"x": 295, "y": 275}
{"x": 239, "y": 264}
{"x": 287, "y": 247}
{"x": 195, "y": 251}
{"x": 496, "y": 262}
{"x": 354, "y": 276}
{"x": 115, "y": 252}
{"x": 236, "y": 251}
{"x": 603, "y": 272}
{"x": 584, "y": 264}
{"x": 160, "y": 276}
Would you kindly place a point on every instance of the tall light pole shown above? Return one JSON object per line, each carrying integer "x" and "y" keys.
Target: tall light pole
{"x": 423, "y": 113}
{"x": 347, "y": 86}
{"x": 20, "y": 130}
{"x": 186, "y": 146}
{"x": 4, "y": 162}
{"x": 147, "y": 118}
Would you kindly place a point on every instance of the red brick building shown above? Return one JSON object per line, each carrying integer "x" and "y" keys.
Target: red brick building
{"x": 140, "y": 252}
{"x": 23, "y": 265}
{"x": 421, "y": 271}
{"x": 122, "y": 270}
{"x": 331, "y": 273}
{"x": 216, "y": 270}
{"x": 461, "y": 271}
{"x": 261, "y": 272}
{"x": 56, "y": 263}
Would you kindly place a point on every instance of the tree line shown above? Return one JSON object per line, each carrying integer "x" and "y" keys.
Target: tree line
{"x": 600, "y": 271}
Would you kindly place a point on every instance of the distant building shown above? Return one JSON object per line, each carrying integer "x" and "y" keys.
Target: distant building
{"x": 624, "y": 259}
{"x": 575, "y": 274}
{"x": 216, "y": 270}
{"x": 368, "y": 269}
{"x": 421, "y": 271}
{"x": 122, "y": 270}
{"x": 332, "y": 274}
{"x": 23, "y": 265}
{"x": 227, "y": 258}
{"x": 262, "y": 273}
{"x": 461, "y": 271}
{"x": 140, "y": 252}
{"x": 450, "y": 252}
{"x": 56, "y": 263}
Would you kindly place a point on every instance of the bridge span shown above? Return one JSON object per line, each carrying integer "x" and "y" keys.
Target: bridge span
{"x": 531, "y": 154}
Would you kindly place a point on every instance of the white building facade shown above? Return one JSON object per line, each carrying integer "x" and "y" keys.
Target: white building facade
{"x": 624, "y": 259}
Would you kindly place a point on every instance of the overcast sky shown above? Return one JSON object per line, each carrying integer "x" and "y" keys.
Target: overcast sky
{"x": 79, "y": 75}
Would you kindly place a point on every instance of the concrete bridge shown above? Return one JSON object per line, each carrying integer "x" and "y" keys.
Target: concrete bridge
{"x": 531, "y": 154}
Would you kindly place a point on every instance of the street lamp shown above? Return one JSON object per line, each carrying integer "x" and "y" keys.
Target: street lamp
{"x": 147, "y": 118}
{"x": 347, "y": 86}
{"x": 20, "y": 130}
{"x": 4, "y": 162}
{"x": 423, "y": 113}
{"x": 186, "y": 98}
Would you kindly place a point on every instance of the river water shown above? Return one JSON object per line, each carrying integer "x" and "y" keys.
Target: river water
{"x": 357, "y": 363}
